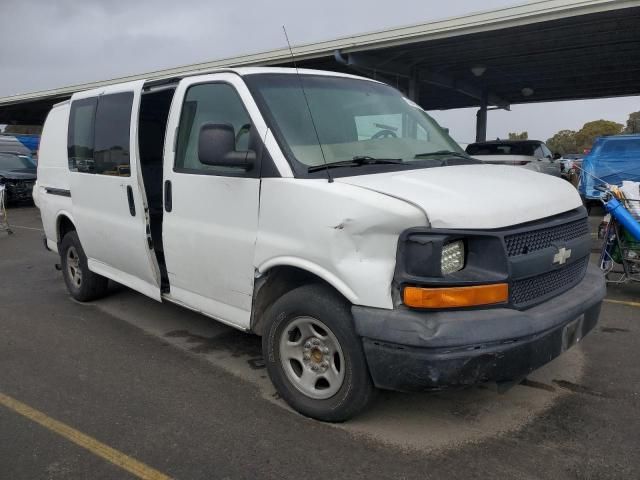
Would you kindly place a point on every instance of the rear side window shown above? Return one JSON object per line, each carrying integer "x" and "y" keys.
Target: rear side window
{"x": 80, "y": 139}
{"x": 99, "y": 135}
{"x": 113, "y": 123}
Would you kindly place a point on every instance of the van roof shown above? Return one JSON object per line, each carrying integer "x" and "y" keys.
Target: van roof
{"x": 242, "y": 71}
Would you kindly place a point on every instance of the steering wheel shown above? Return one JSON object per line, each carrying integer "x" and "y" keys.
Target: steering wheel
{"x": 244, "y": 129}
{"x": 386, "y": 133}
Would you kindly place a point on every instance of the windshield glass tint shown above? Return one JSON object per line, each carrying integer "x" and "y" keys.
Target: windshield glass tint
{"x": 15, "y": 162}
{"x": 353, "y": 118}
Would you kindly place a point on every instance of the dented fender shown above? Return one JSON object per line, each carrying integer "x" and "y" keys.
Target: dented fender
{"x": 342, "y": 233}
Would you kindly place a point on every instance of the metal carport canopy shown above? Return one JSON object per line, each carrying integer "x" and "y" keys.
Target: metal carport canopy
{"x": 542, "y": 51}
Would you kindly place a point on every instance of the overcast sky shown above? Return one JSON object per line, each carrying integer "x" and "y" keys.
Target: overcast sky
{"x": 51, "y": 43}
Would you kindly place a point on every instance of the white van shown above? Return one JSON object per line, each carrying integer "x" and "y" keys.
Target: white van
{"x": 326, "y": 213}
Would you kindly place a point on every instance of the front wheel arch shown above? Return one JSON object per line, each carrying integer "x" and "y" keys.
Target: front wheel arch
{"x": 276, "y": 282}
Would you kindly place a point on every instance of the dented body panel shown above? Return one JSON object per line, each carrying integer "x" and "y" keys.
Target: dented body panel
{"x": 344, "y": 234}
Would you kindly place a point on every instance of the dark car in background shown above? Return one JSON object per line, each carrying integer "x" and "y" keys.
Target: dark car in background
{"x": 18, "y": 175}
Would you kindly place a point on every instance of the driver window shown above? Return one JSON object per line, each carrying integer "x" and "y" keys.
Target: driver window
{"x": 209, "y": 103}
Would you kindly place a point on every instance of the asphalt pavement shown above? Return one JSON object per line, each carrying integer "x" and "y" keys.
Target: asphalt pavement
{"x": 126, "y": 387}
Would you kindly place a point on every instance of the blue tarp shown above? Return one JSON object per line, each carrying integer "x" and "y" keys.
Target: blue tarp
{"x": 612, "y": 160}
{"x": 30, "y": 141}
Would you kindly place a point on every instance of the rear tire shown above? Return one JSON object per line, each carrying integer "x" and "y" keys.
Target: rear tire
{"x": 82, "y": 283}
{"x": 313, "y": 355}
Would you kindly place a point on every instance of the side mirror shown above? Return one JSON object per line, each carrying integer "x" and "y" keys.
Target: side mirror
{"x": 557, "y": 156}
{"x": 217, "y": 146}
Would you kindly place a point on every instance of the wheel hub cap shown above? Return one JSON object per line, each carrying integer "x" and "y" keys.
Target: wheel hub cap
{"x": 316, "y": 355}
{"x": 312, "y": 358}
{"x": 73, "y": 266}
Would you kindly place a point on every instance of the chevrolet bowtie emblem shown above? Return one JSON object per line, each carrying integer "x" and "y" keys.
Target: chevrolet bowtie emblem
{"x": 562, "y": 256}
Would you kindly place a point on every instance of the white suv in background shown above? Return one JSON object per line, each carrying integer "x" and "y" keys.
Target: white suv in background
{"x": 530, "y": 154}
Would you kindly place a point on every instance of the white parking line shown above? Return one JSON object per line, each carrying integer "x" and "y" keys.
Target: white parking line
{"x": 26, "y": 228}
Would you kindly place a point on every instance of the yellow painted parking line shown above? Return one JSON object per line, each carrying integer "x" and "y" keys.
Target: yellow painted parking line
{"x": 623, "y": 302}
{"x": 119, "y": 459}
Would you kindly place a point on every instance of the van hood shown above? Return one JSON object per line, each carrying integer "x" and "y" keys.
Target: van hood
{"x": 475, "y": 196}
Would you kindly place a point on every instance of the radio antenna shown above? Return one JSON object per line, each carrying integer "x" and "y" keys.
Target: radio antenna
{"x": 306, "y": 100}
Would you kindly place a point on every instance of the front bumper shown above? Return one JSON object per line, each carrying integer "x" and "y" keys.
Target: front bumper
{"x": 412, "y": 350}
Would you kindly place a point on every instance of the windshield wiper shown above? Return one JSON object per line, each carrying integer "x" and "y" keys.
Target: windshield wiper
{"x": 356, "y": 161}
{"x": 441, "y": 153}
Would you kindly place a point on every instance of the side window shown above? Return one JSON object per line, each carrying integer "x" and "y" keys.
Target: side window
{"x": 98, "y": 139}
{"x": 217, "y": 103}
{"x": 545, "y": 151}
{"x": 80, "y": 135}
{"x": 113, "y": 123}
{"x": 538, "y": 152}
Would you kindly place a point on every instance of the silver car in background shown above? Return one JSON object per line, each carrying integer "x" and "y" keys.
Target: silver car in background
{"x": 530, "y": 154}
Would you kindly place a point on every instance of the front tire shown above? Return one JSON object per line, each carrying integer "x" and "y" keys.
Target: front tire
{"x": 314, "y": 356}
{"x": 82, "y": 283}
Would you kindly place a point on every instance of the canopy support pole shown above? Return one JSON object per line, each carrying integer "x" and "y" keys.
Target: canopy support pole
{"x": 481, "y": 120}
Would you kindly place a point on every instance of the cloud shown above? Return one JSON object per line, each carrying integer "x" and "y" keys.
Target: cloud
{"x": 46, "y": 44}
{"x": 50, "y": 44}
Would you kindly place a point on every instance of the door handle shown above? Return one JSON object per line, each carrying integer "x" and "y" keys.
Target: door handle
{"x": 167, "y": 195}
{"x": 132, "y": 206}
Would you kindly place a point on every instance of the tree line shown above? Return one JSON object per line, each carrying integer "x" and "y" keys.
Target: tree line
{"x": 571, "y": 141}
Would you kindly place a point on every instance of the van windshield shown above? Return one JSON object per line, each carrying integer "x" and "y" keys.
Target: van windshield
{"x": 355, "y": 120}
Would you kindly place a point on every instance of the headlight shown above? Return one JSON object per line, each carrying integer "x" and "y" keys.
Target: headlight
{"x": 452, "y": 257}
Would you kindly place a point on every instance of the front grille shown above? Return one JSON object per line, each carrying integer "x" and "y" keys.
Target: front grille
{"x": 527, "y": 242}
{"x": 528, "y": 290}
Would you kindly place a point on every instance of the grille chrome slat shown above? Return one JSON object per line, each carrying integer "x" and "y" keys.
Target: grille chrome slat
{"x": 527, "y": 242}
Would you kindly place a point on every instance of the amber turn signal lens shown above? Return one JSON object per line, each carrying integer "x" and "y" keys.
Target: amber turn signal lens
{"x": 451, "y": 297}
